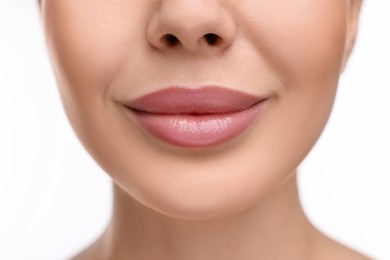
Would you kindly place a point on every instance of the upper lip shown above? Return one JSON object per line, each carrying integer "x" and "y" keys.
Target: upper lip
{"x": 200, "y": 100}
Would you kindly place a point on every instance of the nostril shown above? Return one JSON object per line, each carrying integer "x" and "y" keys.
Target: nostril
{"x": 212, "y": 39}
{"x": 170, "y": 39}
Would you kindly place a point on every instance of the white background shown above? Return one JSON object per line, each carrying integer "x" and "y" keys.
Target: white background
{"x": 54, "y": 199}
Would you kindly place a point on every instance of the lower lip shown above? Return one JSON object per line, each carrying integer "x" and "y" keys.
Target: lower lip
{"x": 199, "y": 130}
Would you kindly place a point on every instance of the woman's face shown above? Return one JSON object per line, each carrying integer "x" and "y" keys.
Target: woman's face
{"x": 107, "y": 54}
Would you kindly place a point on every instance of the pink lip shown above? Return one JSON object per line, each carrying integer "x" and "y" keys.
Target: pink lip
{"x": 196, "y": 117}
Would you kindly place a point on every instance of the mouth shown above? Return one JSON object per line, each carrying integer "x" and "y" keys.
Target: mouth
{"x": 196, "y": 117}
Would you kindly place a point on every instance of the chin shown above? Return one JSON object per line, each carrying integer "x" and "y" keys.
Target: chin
{"x": 207, "y": 196}
{"x": 200, "y": 207}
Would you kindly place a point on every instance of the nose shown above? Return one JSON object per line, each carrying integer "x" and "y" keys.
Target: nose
{"x": 194, "y": 25}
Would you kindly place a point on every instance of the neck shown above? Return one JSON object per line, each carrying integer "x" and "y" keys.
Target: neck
{"x": 275, "y": 228}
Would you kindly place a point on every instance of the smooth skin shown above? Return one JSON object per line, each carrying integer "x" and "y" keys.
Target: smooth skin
{"x": 238, "y": 200}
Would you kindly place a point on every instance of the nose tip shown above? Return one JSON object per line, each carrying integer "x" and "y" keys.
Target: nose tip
{"x": 192, "y": 25}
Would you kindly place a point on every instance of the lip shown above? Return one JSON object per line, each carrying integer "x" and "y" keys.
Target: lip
{"x": 196, "y": 117}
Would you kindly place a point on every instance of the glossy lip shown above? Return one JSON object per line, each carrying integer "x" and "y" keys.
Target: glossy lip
{"x": 196, "y": 117}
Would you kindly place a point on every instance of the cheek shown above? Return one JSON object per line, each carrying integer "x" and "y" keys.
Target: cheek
{"x": 304, "y": 43}
{"x": 303, "y": 39}
{"x": 89, "y": 40}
